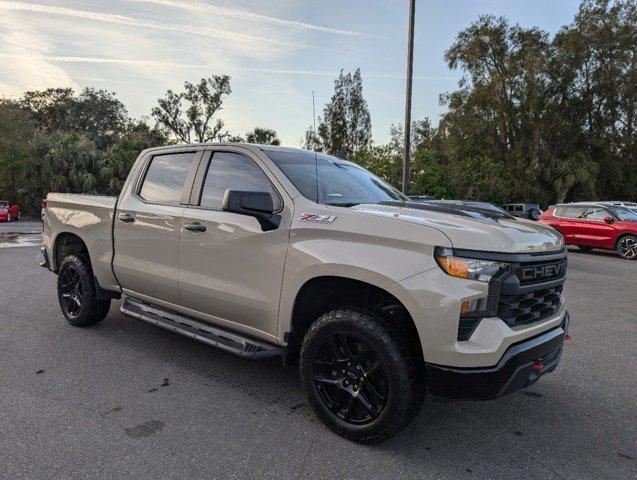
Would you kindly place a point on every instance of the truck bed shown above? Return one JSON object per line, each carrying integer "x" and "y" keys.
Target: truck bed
{"x": 83, "y": 200}
{"x": 90, "y": 217}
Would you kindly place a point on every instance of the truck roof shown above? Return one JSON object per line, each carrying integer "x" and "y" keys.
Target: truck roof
{"x": 251, "y": 146}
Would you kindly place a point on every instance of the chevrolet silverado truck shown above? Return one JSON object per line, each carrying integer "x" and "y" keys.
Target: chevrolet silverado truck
{"x": 266, "y": 251}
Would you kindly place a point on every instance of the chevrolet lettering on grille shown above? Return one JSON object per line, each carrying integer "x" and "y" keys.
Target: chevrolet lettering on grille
{"x": 540, "y": 272}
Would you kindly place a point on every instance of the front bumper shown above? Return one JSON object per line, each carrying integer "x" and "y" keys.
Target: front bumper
{"x": 521, "y": 365}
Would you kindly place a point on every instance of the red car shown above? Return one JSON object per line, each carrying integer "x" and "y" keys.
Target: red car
{"x": 594, "y": 225}
{"x": 9, "y": 212}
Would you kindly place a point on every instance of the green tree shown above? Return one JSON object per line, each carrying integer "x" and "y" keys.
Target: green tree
{"x": 17, "y": 132}
{"x": 558, "y": 114}
{"x": 123, "y": 152}
{"x": 264, "y": 136}
{"x": 189, "y": 115}
{"x": 599, "y": 69}
{"x": 95, "y": 113}
{"x": 73, "y": 164}
{"x": 311, "y": 141}
{"x": 345, "y": 127}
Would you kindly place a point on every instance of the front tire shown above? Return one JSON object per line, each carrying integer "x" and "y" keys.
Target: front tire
{"x": 360, "y": 375}
{"x": 77, "y": 294}
{"x": 627, "y": 247}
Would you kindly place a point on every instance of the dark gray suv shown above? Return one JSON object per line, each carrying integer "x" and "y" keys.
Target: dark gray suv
{"x": 523, "y": 210}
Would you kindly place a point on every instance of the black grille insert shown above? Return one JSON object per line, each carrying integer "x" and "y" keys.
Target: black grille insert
{"x": 529, "y": 307}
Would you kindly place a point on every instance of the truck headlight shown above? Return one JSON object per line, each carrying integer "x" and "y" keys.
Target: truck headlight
{"x": 469, "y": 268}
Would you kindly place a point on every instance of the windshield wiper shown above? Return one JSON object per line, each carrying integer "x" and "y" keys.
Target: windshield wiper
{"x": 344, "y": 204}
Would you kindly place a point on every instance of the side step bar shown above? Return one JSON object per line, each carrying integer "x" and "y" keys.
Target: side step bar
{"x": 231, "y": 342}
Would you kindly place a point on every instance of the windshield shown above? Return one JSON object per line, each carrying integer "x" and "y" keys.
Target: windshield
{"x": 4, "y": 205}
{"x": 339, "y": 181}
{"x": 474, "y": 208}
{"x": 624, "y": 213}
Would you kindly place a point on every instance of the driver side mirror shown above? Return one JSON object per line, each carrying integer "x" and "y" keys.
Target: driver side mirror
{"x": 609, "y": 220}
{"x": 254, "y": 204}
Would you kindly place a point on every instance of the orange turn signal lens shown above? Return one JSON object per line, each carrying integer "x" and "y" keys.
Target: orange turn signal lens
{"x": 465, "y": 307}
{"x": 455, "y": 267}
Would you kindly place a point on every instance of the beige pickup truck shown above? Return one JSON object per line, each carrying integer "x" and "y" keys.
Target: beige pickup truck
{"x": 267, "y": 251}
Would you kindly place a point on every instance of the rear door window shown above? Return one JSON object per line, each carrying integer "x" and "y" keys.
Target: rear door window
{"x": 597, "y": 214}
{"x": 574, "y": 212}
{"x": 165, "y": 178}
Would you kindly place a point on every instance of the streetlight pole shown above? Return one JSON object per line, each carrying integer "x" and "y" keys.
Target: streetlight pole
{"x": 410, "y": 73}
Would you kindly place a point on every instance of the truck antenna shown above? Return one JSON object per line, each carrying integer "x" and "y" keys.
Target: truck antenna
{"x": 314, "y": 148}
{"x": 314, "y": 119}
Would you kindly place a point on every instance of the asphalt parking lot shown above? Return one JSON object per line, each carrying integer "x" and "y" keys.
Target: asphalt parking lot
{"x": 125, "y": 400}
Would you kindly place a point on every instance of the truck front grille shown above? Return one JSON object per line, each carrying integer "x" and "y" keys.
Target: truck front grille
{"x": 529, "y": 307}
{"x": 527, "y": 290}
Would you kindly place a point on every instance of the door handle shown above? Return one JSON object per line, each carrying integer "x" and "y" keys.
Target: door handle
{"x": 195, "y": 227}
{"x": 126, "y": 218}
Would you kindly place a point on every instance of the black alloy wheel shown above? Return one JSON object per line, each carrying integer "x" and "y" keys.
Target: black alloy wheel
{"x": 362, "y": 373}
{"x": 71, "y": 291}
{"x": 350, "y": 378}
{"x": 77, "y": 292}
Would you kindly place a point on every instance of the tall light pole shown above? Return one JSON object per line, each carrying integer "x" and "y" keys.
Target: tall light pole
{"x": 410, "y": 73}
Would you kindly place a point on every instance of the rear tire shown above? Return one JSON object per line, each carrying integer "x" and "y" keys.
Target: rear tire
{"x": 627, "y": 247}
{"x": 360, "y": 375}
{"x": 77, "y": 294}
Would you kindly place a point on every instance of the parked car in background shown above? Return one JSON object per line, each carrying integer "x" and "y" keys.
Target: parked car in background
{"x": 421, "y": 198}
{"x": 523, "y": 210}
{"x": 595, "y": 225}
{"x": 630, "y": 205}
{"x": 9, "y": 211}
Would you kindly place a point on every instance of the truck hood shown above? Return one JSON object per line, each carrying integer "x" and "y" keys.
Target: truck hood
{"x": 509, "y": 235}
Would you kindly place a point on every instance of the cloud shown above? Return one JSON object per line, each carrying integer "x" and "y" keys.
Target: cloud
{"x": 204, "y": 8}
{"x": 27, "y": 71}
{"x": 250, "y": 45}
{"x": 173, "y": 65}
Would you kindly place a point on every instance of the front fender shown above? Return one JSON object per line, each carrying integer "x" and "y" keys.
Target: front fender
{"x": 377, "y": 262}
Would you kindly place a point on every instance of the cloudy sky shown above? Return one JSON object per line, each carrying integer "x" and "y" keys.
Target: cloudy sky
{"x": 277, "y": 52}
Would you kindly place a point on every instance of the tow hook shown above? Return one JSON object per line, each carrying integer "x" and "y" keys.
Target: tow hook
{"x": 537, "y": 366}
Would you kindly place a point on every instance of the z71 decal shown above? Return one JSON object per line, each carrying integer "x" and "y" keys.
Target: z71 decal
{"x": 316, "y": 218}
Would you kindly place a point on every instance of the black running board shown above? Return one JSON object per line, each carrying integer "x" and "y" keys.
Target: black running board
{"x": 231, "y": 342}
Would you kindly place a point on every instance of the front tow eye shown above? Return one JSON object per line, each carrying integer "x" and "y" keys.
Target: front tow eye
{"x": 537, "y": 366}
